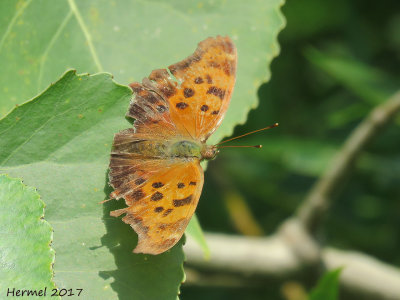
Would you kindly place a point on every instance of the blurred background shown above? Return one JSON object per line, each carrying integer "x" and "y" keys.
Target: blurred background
{"x": 338, "y": 60}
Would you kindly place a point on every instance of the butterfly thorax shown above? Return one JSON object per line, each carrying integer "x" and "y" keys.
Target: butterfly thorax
{"x": 187, "y": 149}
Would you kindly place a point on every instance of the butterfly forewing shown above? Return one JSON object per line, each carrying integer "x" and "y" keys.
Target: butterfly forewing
{"x": 151, "y": 112}
{"x": 199, "y": 95}
{"x": 208, "y": 78}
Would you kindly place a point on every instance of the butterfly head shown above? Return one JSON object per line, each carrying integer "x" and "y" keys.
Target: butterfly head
{"x": 209, "y": 152}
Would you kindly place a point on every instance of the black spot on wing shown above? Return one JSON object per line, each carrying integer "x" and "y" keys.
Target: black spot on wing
{"x": 182, "y": 202}
{"x": 188, "y": 92}
{"x": 157, "y": 185}
{"x": 204, "y": 107}
{"x": 161, "y": 108}
{"x": 167, "y": 212}
{"x": 181, "y": 105}
{"x": 213, "y": 90}
{"x": 157, "y": 196}
{"x": 139, "y": 181}
{"x": 158, "y": 209}
{"x": 138, "y": 194}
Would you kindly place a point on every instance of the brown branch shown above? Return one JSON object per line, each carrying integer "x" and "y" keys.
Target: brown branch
{"x": 316, "y": 203}
{"x": 234, "y": 257}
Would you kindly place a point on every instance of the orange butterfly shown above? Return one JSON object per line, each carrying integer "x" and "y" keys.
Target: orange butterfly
{"x": 155, "y": 166}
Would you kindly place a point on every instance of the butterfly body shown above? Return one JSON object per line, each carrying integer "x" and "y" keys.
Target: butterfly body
{"x": 155, "y": 166}
{"x": 175, "y": 149}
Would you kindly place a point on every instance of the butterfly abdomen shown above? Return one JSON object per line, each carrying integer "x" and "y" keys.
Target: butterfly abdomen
{"x": 143, "y": 148}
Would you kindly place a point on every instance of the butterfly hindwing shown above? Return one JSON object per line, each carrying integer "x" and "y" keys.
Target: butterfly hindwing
{"x": 161, "y": 207}
{"x": 135, "y": 157}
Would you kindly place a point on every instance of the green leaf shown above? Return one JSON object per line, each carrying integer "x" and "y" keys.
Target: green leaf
{"x": 195, "y": 232}
{"x": 60, "y": 142}
{"x": 25, "y": 254}
{"x": 327, "y": 287}
{"x": 42, "y": 38}
{"x": 371, "y": 85}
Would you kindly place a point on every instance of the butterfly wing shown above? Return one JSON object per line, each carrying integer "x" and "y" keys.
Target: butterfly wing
{"x": 161, "y": 192}
{"x": 151, "y": 112}
{"x": 161, "y": 204}
{"x": 199, "y": 100}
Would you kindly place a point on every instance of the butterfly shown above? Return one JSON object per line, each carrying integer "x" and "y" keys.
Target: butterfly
{"x": 155, "y": 166}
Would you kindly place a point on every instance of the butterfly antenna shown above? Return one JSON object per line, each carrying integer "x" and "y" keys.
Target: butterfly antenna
{"x": 240, "y": 136}
{"x": 255, "y": 146}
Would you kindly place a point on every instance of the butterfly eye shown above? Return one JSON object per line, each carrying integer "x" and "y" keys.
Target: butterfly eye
{"x": 215, "y": 152}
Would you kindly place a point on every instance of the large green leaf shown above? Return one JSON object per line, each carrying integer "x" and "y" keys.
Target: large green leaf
{"x": 40, "y": 39}
{"x": 60, "y": 143}
{"x": 25, "y": 253}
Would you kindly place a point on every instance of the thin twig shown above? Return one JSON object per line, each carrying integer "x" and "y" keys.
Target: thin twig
{"x": 316, "y": 203}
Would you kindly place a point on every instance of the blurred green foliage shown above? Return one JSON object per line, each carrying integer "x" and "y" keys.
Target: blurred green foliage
{"x": 327, "y": 288}
{"x": 338, "y": 60}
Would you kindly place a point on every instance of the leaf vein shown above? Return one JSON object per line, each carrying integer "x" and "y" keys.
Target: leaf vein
{"x": 50, "y": 45}
{"x": 12, "y": 22}
{"x": 86, "y": 33}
